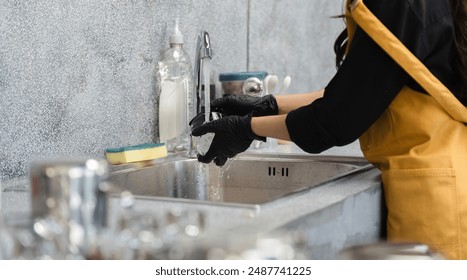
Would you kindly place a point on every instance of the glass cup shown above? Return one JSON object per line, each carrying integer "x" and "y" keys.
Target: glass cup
{"x": 203, "y": 143}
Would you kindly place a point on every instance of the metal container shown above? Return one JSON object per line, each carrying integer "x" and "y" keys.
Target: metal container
{"x": 390, "y": 251}
{"x": 233, "y": 83}
{"x": 72, "y": 193}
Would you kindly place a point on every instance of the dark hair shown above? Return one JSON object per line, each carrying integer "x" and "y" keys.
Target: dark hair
{"x": 340, "y": 46}
{"x": 459, "y": 14}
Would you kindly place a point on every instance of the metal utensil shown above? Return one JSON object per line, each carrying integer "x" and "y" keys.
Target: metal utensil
{"x": 253, "y": 86}
{"x": 72, "y": 192}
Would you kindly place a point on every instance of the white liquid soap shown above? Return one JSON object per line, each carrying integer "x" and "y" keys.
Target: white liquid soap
{"x": 174, "y": 89}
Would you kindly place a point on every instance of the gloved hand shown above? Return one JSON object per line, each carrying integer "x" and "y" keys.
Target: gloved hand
{"x": 233, "y": 135}
{"x": 240, "y": 105}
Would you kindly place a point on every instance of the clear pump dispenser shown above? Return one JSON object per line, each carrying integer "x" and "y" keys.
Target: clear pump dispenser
{"x": 175, "y": 86}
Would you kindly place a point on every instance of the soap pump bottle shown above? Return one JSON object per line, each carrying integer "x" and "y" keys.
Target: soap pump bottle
{"x": 175, "y": 88}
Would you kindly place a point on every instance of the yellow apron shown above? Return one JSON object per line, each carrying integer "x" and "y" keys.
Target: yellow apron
{"x": 420, "y": 145}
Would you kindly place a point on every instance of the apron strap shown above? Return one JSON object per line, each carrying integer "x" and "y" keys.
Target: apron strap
{"x": 408, "y": 61}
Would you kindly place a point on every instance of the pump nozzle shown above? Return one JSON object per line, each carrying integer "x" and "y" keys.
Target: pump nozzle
{"x": 177, "y": 36}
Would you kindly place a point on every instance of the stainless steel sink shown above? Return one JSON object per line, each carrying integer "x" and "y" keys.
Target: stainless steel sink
{"x": 247, "y": 179}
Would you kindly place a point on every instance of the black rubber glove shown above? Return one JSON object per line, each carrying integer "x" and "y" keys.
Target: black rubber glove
{"x": 233, "y": 135}
{"x": 240, "y": 105}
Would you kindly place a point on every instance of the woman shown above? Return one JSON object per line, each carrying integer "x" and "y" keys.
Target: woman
{"x": 402, "y": 130}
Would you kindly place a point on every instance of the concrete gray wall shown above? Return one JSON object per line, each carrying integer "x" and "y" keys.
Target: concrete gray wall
{"x": 77, "y": 77}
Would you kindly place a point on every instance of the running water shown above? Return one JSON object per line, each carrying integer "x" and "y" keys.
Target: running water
{"x": 225, "y": 168}
{"x": 207, "y": 93}
{"x": 203, "y": 143}
{"x": 216, "y": 193}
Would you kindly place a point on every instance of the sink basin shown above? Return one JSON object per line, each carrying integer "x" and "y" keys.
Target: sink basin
{"x": 247, "y": 179}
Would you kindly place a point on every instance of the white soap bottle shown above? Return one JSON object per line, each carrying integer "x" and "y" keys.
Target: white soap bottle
{"x": 175, "y": 88}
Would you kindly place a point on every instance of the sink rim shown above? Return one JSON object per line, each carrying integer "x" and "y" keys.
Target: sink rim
{"x": 359, "y": 164}
{"x": 181, "y": 156}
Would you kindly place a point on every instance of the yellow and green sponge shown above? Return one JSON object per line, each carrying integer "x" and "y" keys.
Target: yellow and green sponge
{"x": 136, "y": 153}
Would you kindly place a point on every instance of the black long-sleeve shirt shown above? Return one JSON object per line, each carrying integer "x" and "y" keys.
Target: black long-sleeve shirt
{"x": 369, "y": 80}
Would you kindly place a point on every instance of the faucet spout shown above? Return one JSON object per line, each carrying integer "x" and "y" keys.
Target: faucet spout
{"x": 203, "y": 51}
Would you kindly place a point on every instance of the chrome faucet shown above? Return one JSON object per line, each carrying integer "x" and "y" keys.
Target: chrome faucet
{"x": 203, "y": 51}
